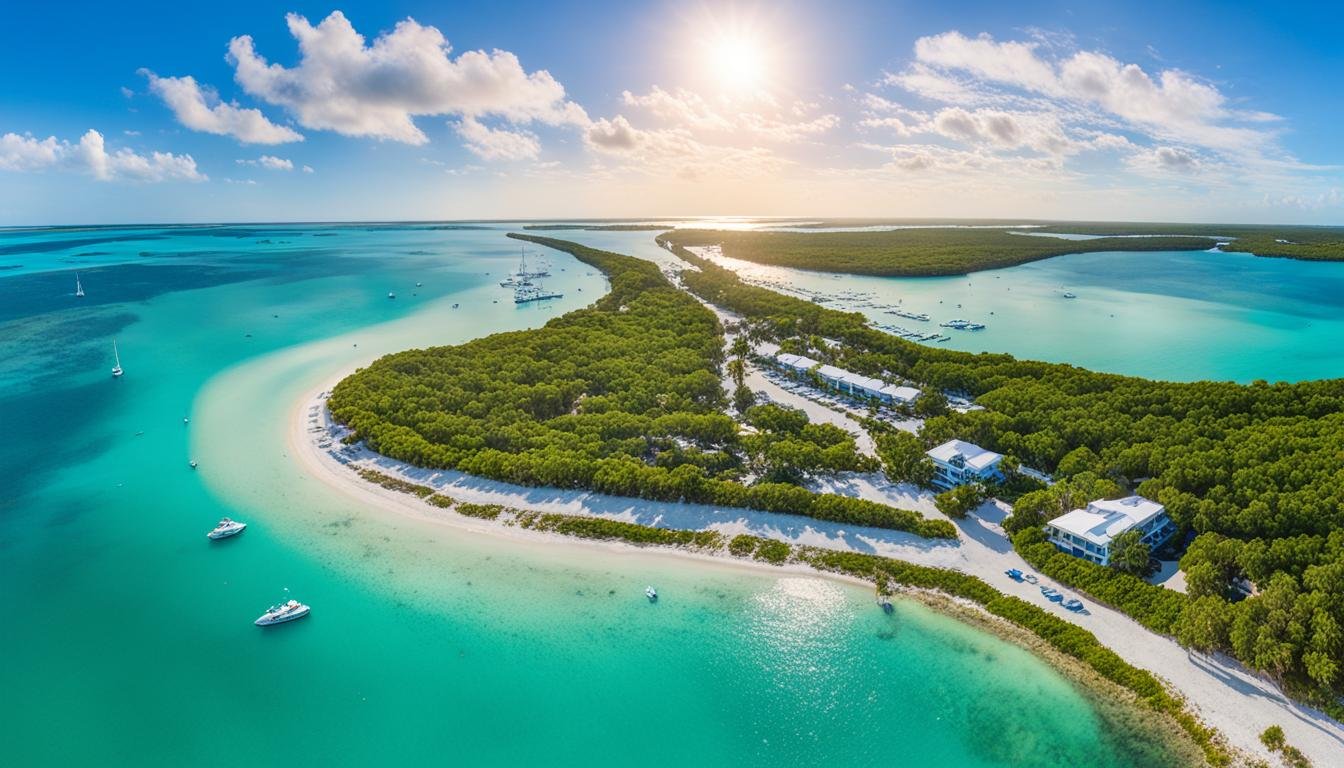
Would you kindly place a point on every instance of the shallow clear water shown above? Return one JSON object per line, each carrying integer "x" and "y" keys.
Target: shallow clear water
{"x": 129, "y": 639}
{"x": 1173, "y": 315}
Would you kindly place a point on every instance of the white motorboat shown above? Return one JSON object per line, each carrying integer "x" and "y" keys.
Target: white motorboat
{"x": 391, "y": 295}
{"x": 651, "y": 593}
{"x": 116, "y": 369}
{"x": 226, "y": 528}
{"x": 279, "y": 614}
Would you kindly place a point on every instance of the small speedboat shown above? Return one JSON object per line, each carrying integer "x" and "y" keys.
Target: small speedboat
{"x": 455, "y": 306}
{"x": 651, "y": 593}
{"x": 1074, "y": 605}
{"x": 391, "y": 295}
{"x": 417, "y": 285}
{"x": 1014, "y": 574}
{"x": 192, "y": 463}
{"x": 225, "y": 529}
{"x": 279, "y": 614}
{"x": 1052, "y": 594}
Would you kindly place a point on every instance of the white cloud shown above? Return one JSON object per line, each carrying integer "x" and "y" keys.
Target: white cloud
{"x": 270, "y": 163}
{"x": 756, "y": 114}
{"x": 90, "y": 155}
{"x": 1006, "y": 130}
{"x": 497, "y": 143}
{"x": 1166, "y": 160}
{"x": 343, "y": 84}
{"x": 615, "y": 134}
{"x": 677, "y": 152}
{"x": 1171, "y": 106}
{"x": 201, "y": 109}
{"x": 26, "y": 153}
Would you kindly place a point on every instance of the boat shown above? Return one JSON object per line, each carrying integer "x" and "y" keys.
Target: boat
{"x": 192, "y": 463}
{"x": 455, "y": 306}
{"x": 391, "y": 295}
{"x": 279, "y": 614}
{"x": 1014, "y": 574}
{"x": 524, "y": 276}
{"x": 79, "y": 287}
{"x": 651, "y": 593}
{"x": 417, "y": 285}
{"x": 525, "y": 293}
{"x": 225, "y": 529}
{"x": 1051, "y": 594}
{"x": 1074, "y": 605}
{"x": 116, "y": 369}
{"x": 1070, "y": 295}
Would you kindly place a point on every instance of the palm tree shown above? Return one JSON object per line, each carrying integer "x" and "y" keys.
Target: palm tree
{"x": 1129, "y": 553}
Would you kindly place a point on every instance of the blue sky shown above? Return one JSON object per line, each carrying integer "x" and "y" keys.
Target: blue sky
{"x": 1166, "y": 111}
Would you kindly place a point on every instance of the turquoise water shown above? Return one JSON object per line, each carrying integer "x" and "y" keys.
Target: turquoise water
{"x": 1174, "y": 315}
{"x": 128, "y": 637}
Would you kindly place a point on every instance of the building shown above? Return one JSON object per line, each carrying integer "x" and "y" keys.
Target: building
{"x": 846, "y": 382}
{"x": 959, "y": 462}
{"x": 1088, "y": 532}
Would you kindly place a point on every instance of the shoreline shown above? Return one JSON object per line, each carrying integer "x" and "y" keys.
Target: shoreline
{"x": 1113, "y": 702}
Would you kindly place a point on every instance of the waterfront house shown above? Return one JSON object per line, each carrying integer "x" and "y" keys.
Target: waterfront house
{"x": 959, "y": 462}
{"x": 1088, "y": 532}
{"x": 844, "y": 381}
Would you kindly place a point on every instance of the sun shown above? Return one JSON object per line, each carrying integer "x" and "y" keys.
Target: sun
{"x": 737, "y": 61}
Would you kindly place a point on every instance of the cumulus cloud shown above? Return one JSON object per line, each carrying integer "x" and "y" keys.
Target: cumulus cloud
{"x": 90, "y": 155}
{"x": 343, "y": 83}
{"x": 201, "y": 109}
{"x": 1171, "y": 105}
{"x": 1166, "y": 160}
{"x": 759, "y": 115}
{"x": 1008, "y": 130}
{"x": 270, "y": 163}
{"x": 497, "y": 143}
{"x": 676, "y": 152}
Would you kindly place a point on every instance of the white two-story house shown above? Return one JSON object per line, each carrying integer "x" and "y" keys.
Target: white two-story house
{"x": 959, "y": 462}
{"x": 1088, "y": 532}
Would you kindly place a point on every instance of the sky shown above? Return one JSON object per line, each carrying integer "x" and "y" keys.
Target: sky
{"x": 1223, "y": 112}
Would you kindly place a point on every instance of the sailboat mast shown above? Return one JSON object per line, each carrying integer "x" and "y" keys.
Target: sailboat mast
{"x": 115, "y": 353}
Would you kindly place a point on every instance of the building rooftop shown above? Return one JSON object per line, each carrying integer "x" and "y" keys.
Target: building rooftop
{"x": 1103, "y": 520}
{"x": 900, "y": 393}
{"x": 976, "y": 458}
{"x": 796, "y": 361}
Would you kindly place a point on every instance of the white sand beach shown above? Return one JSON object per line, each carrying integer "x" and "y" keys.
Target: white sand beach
{"x": 1237, "y": 702}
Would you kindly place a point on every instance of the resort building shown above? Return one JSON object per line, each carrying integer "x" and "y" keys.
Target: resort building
{"x": 1087, "y": 533}
{"x": 844, "y": 381}
{"x": 959, "y": 462}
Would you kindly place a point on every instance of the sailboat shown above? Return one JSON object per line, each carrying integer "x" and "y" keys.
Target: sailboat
{"x": 79, "y": 287}
{"x": 116, "y": 369}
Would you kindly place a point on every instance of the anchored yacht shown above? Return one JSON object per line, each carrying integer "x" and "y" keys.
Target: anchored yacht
{"x": 226, "y": 528}
{"x": 279, "y": 614}
{"x": 116, "y": 369}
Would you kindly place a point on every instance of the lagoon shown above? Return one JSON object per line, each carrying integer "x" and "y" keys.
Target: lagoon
{"x": 1173, "y": 315}
{"x": 135, "y": 643}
